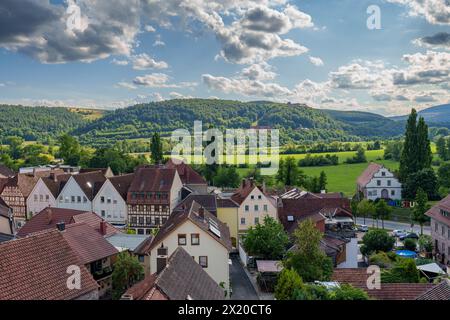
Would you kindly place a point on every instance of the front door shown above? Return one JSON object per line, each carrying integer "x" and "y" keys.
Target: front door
{"x": 384, "y": 194}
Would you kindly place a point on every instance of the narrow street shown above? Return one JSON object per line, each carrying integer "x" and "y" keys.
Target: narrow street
{"x": 240, "y": 283}
{"x": 393, "y": 225}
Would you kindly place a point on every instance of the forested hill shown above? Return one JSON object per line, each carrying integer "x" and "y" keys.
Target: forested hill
{"x": 296, "y": 122}
{"x": 37, "y": 123}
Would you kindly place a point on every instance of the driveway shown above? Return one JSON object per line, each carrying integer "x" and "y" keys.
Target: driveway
{"x": 240, "y": 283}
{"x": 393, "y": 225}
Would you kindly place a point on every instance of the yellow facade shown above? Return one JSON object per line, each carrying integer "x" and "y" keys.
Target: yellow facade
{"x": 230, "y": 217}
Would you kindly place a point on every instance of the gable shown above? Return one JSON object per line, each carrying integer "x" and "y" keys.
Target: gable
{"x": 72, "y": 188}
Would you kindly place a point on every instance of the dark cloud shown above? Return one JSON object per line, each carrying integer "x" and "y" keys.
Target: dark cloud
{"x": 439, "y": 39}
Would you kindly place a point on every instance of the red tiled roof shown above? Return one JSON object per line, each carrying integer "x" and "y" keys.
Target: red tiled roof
{"x": 439, "y": 292}
{"x": 192, "y": 214}
{"x": 35, "y": 268}
{"x": 226, "y": 203}
{"x": 357, "y": 277}
{"x": 305, "y": 207}
{"x": 5, "y": 171}
{"x": 181, "y": 278}
{"x": 152, "y": 179}
{"x": 435, "y": 211}
{"x": 246, "y": 187}
{"x": 367, "y": 174}
{"x": 207, "y": 201}
{"x": 93, "y": 220}
{"x": 56, "y": 183}
{"x": 186, "y": 173}
{"x": 90, "y": 182}
{"x": 122, "y": 183}
{"x": 88, "y": 244}
{"x": 47, "y": 219}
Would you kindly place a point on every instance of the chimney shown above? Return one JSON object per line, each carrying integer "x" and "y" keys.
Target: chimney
{"x": 61, "y": 226}
{"x": 103, "y": 227}
{"x": 161, "y": 258}
{"x": 201, "y": 212}
{"x": 251, "y": 182}
{"x": 49, "y": 215}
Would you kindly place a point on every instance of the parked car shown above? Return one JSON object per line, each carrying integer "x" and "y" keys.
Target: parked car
{"x": 411, "y": 235}
{"x": 399, "y": 233}
{"x": 363, "y": 228}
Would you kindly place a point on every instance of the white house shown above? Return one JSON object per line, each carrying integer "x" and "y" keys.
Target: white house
{"x": 45, "y": 193}
{"x": 377, "y": 182}
{"x": 110, "y": 201}
{"x": 254, "y": 205}
{"x": 80, "y": 191}
{"x": 201, "y": 234}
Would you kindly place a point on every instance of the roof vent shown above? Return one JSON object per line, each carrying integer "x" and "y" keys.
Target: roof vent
{"x": 61, "y": 226}
{"x": 290, "y": 218}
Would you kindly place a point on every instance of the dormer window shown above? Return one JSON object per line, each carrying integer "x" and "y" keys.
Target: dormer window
{"x": 445, "y": 213}
{"x": 383, "y": 173}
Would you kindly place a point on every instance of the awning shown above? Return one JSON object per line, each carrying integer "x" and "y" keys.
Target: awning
{"x": 431, "y": 268}
{"x": 264, "y": 266}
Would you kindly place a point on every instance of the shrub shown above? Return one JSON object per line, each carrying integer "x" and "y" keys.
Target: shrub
{"x": 403, "y": 271}
{"x": 410, "y": 244}
{"x": 380, "y": 259}
{"x": 377, "y": 240}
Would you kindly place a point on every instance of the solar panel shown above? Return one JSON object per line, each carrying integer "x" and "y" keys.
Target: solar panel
{"x": 214, "y": 230}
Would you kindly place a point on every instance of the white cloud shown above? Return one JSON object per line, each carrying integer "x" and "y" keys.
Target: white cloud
{"x": 177, "y": 95}
{"x": 126, "y": 85}
{"x": 120, "y": 62}
{"x": 261, "y": 71}
{"x": 434, "y": 11}
{"x": 144, "y": 62}
{"x": 160, "y": 80}
{"x": 149, "y": 28}
{"x": 316, "y": 61}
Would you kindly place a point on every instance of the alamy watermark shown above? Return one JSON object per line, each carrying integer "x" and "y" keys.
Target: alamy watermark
{"x": 232, "y": 147}
{"x": 374, "y": 20}
{"x": 74, "y": 19}
{"x": 74, "y": 280}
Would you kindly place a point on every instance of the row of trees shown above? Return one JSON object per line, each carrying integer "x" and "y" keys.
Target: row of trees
{"x": 289, "y": 174}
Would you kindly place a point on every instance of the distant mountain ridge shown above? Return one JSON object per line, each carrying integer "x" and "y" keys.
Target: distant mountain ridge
{"x": 433, "y": 115}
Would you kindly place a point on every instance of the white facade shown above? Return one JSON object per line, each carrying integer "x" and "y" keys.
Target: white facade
{"x": 73, "y": 197}
{"x": 254, "y": 208}
{"x": 216, "y": 253}
{"x": 40, "y": 198}
{"x": 351, "y": 254}
{"x": 383, "y": 185}
{"x": 110, "y": 205}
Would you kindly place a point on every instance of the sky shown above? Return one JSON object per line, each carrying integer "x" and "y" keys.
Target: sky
{"x": 381, "y": 56}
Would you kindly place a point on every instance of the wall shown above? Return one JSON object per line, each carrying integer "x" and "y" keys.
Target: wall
{"x": 395, "y": 186}
{"x": 73, "y": 189}
{"x": 443, "y": 238}
{"x": 252, "y": 213}
{"x": 230, "y": 217}
{"x": 5, "y": 226}
{"x": 351, "y": 255}
{"x": 175, "y": 192}
{"x": 39, "y": 199}
{"x": 114, "y": 206}
{"x": 218, "y": 267}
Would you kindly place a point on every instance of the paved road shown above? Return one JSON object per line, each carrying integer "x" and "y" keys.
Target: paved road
{"x": 240, "y": 283}
{"x": 394, "y": 225}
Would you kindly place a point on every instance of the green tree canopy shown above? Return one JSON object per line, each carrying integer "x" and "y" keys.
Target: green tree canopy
{"x": 127, "y": 271}
{"x": 156, "y": 149}
{"x": 377, "y": 240}
{"x": 267, "y": 240}
{"x": 420, "y": 208}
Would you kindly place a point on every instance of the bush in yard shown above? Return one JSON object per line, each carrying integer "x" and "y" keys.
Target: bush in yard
{"x": 127, "y": 271}
{"x": 425, "y": 244}
{"x": 380, "y": 259}
{"x": 403, "y": 271}
{"x": 377, "y": 240}
{"x": 410, "y": 244}
{"x": 267, "y": 241}
{"x": 348, "y": 292}
{"x": 288, "y": 283}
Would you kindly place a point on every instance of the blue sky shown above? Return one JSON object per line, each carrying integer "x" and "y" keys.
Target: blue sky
{"x": 318, "y": 52}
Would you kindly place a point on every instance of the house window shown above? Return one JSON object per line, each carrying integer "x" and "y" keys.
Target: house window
{"x": 256, "y": 220}
{"x": 61, "y": 199}
{"x": 164, "y": 220}
{"x": 247, "y": 208}
{"x": 35, "y": 198}
{"x": 389, "y": 183}
{"x": 72, "y": 198}
{"x": 102, "y": 199}
{"x": 157, "y": 221}
{"x": 252, "y": 197}
{"x": 84, "y": 199}
{"x": 109, "y": 200}
{"x": 79, "y": 199}
{"x": 47, "y": 197}
{"x": 140, "y": 231}
{"x": 133, "y": 220}
{"x": 203, "y": 261}
{"x": 442, "y": 230}
{"x": 41, "y": 198}
{"x": 383, "y": 173}
{"x": 256, "y": 207}
{"x": 115, "y": 201}
{"x": 378, "y": 182}
{"x": 103, "y": 213}
{"x": 259, "y": 197}
{"x": 242, "y": 220}
{"x": 141, "y": 220}
{"x": 265, "y": 208}
{"x": 181, "y": 239}
{"x": 195, "y": 239}
{"x": 435, "y": 227}
{"x": 141, "y": 258}
{"x": 392, "y": 192}
{"x": 148, "y": 220}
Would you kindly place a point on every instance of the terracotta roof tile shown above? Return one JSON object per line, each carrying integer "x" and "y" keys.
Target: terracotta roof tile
{"x": 207, "y": 201}
{"x": 367, "y": 174}
{"x": 5, "y": 171}
{"x": 122, "y": 183}
{"x": 90, "y": 182}
{"x": 88, "y": 244}
{"x": 435, "y": 211}
{"x": 439, "y": 292}
{"x": 152, "y": 179}
{"x": 35, "y": 268}
{"x": 186, "y": 173}
{"x": 94, "y": 221}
